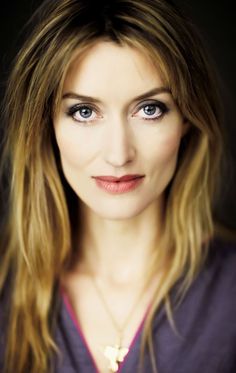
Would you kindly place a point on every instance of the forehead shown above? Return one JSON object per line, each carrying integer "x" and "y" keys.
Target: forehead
{"x": 107, "y": 68}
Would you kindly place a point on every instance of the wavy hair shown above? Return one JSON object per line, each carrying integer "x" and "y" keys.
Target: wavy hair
{"x": 37, "y": 240}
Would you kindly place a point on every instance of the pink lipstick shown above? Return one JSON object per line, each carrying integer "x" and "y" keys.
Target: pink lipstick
{"x": 118, "y": 185}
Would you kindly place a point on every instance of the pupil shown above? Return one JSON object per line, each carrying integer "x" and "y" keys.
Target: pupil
{"x": 85, "y": 112}
{"x": 150, "y": 109}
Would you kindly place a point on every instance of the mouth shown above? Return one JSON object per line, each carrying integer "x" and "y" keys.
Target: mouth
{"x": 118, "y": 185}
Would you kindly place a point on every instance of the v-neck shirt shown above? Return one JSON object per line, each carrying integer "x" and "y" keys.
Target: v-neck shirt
{"x": 82, "y": 356}
{"x": 205, "y": 341}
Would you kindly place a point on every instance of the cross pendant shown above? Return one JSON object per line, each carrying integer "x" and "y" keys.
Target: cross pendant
{"x": 115, "y": 355}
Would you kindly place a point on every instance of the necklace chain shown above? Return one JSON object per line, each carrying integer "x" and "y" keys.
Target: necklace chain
{"x": 118, "y": 327}
{"x": 116, "y": 353}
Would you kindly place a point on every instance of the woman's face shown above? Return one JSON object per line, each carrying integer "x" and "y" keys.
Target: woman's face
{"x": 117, "y": 118}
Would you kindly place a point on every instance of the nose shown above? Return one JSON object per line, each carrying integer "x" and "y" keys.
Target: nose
{"x": 119, "y": 143}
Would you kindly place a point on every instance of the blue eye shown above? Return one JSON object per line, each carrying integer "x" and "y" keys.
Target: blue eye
{"x": 85, "y": 112}
{"x": 153, "y": 110}
{"x": 81, "y": 113}
{"x": 150, "y": 109}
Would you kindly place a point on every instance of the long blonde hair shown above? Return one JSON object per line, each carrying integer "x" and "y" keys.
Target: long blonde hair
{"x": 38, "y": 238}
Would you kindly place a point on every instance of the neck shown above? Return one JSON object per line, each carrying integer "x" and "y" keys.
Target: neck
{"x": 119, "y": 251}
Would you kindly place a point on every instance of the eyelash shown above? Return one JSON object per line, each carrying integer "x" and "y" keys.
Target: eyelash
{"x": 157, "y": 104}
{"x": 76, "y": 108}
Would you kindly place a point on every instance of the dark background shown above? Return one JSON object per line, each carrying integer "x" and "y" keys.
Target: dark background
{"x": 216, "y": 22}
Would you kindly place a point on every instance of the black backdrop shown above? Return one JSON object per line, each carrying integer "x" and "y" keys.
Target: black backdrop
{"x": 216, "y": 21}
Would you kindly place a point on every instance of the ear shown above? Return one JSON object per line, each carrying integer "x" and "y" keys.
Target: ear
{"x": 185, "y": 127}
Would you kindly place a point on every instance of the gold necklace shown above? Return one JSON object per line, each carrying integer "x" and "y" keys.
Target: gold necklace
{"x": 116, "y": 353}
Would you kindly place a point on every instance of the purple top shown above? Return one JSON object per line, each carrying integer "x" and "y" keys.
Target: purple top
{"x": 206, "y": 323}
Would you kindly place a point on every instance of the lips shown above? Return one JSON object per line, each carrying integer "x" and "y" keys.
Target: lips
{"x": 118, "y": 179}
{"x": 119, "y": 185}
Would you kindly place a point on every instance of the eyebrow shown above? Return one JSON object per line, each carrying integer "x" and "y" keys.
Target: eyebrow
{"x": 152, "y": 92}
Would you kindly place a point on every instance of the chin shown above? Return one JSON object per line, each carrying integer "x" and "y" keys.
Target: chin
{"x": 118, "y": 211}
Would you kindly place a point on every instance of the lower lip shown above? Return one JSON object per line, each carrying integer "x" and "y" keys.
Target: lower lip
{"x": 119, "y": 187}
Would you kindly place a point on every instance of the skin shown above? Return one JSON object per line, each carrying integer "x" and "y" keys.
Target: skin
{"x": 116, "y": 140}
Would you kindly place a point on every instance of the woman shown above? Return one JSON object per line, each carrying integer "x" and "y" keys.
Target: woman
{"x": 109, "y": 260}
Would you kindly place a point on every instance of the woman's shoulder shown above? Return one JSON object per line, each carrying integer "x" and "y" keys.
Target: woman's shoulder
{"x": 214, "y": 288}
{"x": 221, "y": 259}
{"x": 205, "y": 318}
{"x": 216, "y": 281}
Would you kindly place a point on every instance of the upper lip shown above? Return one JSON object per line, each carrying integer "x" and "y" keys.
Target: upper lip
{"x": 114, "y": 178}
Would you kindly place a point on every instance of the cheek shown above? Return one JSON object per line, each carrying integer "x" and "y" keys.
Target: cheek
{"x": 170, "y": 147}
{"x": 163, "y": 163}
{"x": 75, "y": 150}
{"x": 164, "y": 150}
